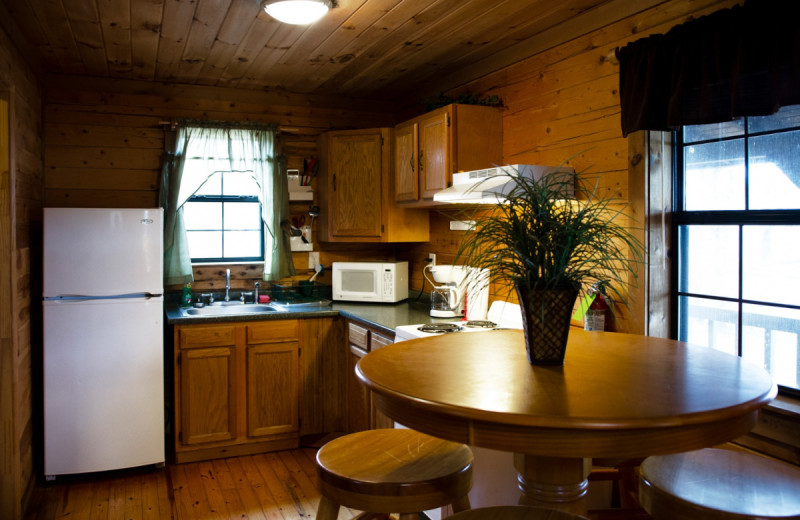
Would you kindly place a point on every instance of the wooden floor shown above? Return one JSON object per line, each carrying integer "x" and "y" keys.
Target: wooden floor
{"x": 270, "y": 486}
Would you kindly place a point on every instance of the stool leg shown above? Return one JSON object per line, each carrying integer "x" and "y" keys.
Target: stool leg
{"x": 328, "y": 509}
{"x": 462, "y": 504}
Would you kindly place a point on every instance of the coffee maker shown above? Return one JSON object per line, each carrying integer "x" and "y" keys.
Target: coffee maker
{"x": 458, "y": 289}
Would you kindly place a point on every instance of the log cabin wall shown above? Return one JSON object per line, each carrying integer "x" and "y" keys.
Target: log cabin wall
{"x": 562, "y": 105}
{"x": 21, "y": 183}
{"x": 105, "y": 138}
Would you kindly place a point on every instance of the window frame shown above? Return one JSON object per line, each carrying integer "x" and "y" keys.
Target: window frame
{"x": 740, "y": 218}
{"x": 223, "y": 199}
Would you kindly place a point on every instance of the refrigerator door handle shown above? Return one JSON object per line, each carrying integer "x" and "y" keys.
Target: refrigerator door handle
{"x": 85, "y": 297}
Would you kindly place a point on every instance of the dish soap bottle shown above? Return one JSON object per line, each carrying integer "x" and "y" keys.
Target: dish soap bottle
{"x": 186, "y": 296}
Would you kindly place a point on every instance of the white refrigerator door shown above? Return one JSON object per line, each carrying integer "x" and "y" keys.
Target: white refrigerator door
{"x": 102, "y": 252}
{"x": 103, "y": 385}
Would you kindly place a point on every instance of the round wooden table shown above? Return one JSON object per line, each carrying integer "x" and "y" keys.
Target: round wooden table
{"x": 617, "y": 395}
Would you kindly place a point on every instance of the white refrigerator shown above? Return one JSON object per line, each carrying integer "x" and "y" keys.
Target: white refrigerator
{"x": 103, "y": 339}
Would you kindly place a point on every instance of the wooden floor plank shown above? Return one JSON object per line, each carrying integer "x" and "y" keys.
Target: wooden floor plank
{"x": 270, "y": 504}
{"x": 99, "y": 511}
{"x": 252, "y": 505}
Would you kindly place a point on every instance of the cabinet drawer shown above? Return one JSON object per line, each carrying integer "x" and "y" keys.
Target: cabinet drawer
{"x": 273, "y": 331}
{"x": 377, "y": 341}
{"x": 358, "y": 336}
{"x": 193, "y": 337}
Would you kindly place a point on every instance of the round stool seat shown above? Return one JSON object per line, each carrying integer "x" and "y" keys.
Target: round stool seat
{"x": 715, "y": 484}
{"x": 393, "y": 471}
{"x": 514, "y": 513}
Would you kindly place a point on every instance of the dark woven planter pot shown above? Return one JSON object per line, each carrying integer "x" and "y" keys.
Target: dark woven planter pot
{"x": 545, "y": 319}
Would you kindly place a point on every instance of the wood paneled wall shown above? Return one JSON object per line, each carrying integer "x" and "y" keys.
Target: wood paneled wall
{"x": 105, "y": 138}
{"x": 562, "y": 106}
{"x": 21, "y": 182}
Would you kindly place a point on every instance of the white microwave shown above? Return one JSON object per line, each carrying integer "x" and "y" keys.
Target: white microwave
{"x": 370, "y": 281}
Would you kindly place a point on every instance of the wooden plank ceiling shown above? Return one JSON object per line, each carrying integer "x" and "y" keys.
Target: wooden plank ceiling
{"x": 374, "y": 49}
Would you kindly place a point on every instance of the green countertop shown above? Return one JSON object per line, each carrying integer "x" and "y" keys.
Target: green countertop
{"x": 383, "y": 316}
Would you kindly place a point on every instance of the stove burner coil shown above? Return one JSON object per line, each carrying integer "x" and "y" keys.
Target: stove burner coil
{"x": 481, "y": 324}
{"x": 439, "y": 327}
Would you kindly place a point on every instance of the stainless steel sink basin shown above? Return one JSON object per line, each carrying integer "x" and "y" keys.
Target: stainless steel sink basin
{"x": 232, "y": 309}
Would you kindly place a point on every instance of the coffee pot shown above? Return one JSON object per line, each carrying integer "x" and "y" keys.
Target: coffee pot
{"x": 447, "y": 295}
{"x": 458, "y": 290}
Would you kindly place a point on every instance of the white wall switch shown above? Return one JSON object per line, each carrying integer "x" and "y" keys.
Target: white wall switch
{"x": 313, "y": 259}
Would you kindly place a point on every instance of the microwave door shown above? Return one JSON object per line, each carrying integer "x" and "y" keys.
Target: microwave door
{"x": 360, "y": 284}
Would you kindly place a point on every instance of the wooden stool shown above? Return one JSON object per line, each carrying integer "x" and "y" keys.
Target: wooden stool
{"x": 714, "y": 484}
{"x": 392, "y": 471}
{"x": 514, "y": 513}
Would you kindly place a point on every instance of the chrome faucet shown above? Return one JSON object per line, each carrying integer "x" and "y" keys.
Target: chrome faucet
{"x": 227, "y": 284}
{"x": 255, "y": 291}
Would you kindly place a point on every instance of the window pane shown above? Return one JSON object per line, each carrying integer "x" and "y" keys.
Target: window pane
{"x": 242, "y": 215}
{"x": 241, "y": 184}
{"x": 771, "y": 264}
{"x": 205, "y": 244}
{"x": 770, "y": 339}
{"x": 240, "y": 244}
{"x": 202, "y": 215}
{"x": 709, "y": 262}
{"x": 714, "y": 176}
{"x": 696, "y": 133}
{"x": 710, "y": 323}
{"x": 786, "y": 117}
{"x": 775, "y": 171}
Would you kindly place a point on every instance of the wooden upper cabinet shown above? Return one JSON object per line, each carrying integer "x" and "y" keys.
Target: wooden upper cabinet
{"x": 356, "y": 195}
{"x": 431, "y": 147}
{"x": 406, "y": 162}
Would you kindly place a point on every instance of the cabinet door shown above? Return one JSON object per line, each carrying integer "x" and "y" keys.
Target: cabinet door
{"x": 434, "y": 153}
{"x": 377, "y": 418}
{"x": 358, "y": 401}
{"x": 272, "y": 389}
{"x": 355, "y": 183}
{"x": 406, "y": 182}
{"x": 207, "y": 395}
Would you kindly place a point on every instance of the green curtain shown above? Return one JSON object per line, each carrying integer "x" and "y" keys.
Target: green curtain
{"x": 213, "y": 147}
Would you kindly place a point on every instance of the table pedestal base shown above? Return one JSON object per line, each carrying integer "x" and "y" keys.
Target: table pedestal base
{"x": 554, "y": 482}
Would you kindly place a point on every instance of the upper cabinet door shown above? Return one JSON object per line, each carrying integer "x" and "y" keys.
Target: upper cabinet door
{"x": 434, "y": 153}
{"x": 406, "y": 163}
{"x": 356, "y": 178}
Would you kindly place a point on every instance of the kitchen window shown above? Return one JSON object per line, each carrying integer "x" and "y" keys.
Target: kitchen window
{"x": 736, "y": 231}
{"x": 223, "y": 219}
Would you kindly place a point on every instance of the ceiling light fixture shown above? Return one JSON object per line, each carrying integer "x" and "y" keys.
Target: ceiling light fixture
{"x": 297, "y": 12}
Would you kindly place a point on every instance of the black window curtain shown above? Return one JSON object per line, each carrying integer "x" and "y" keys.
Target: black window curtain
{"x": 742, "y": 61}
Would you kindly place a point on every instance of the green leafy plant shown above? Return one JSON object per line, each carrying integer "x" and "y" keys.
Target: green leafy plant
{"x": 538, "y": 240}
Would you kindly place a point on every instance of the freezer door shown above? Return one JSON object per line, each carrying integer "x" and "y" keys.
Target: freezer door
{"x": 102, "y": 252}
{"x": 103, "y": 385}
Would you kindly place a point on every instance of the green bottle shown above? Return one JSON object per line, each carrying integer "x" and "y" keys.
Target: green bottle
{"x": 186, "y": 296}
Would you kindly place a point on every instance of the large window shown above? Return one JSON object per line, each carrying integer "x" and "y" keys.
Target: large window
{"x": 737, "y": 227}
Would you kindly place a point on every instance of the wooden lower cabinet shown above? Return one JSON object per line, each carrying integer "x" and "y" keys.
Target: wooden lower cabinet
{"x": 361, "y": 411}
{"x": 237, "y": 388}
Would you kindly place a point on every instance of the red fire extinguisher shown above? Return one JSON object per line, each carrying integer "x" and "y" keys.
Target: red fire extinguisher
{"x": 595, "y": 317}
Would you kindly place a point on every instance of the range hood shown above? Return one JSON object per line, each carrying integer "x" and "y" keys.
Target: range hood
{"x": 490, "y": 185}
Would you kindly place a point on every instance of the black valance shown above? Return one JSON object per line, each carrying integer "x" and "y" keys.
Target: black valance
{"x": 742, "y": 61}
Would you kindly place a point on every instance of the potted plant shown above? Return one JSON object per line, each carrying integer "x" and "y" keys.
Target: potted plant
{"x": 551, "y": 247}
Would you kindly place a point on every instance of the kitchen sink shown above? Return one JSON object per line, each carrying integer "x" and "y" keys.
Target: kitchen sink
{"x": 302, "y": 305}
{"x": 231, "y": 309}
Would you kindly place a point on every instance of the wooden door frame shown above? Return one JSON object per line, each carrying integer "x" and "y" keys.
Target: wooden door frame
{"x": 10, "y": 507}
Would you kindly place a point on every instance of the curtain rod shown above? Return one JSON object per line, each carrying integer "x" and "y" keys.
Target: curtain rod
{"x": 232, "y": 124}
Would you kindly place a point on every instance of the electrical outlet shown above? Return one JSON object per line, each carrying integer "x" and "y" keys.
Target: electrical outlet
{"x": 313, "y": 259}
{"x": 432, "y": 258}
